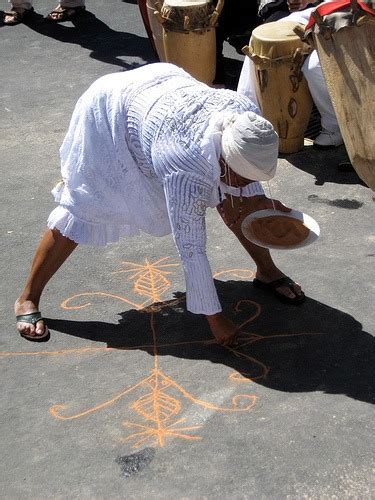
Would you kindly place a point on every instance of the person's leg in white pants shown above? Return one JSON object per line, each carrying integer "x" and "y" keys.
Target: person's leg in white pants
{"x": 330, "y": 135}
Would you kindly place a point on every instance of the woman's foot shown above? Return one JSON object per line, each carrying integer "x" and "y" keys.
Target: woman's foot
{"x": 15, "y": 16}
{"x": 61, "y": 14}
{"x": 224, "y": 331}
{"x": 30, "y": 323}
{"x": 282, "y": 287}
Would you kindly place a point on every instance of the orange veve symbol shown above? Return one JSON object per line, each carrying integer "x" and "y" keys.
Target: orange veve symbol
{"x": 158, "y": 435}
{"x": 160, "y": 399}
{"x": 149, "y": 279}
{"x": 158, "y": 405}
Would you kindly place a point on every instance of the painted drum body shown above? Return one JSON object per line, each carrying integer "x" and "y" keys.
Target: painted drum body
{"x": 189, "y": 36}
{"x": 347, "y": 57}
{"x": 282, "y": 90}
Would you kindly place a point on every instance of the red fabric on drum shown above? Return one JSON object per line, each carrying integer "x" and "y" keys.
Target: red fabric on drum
{"x": 327, "y": 8}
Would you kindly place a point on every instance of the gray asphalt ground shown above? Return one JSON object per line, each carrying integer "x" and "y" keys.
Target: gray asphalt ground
{"x": 128, "y": 401}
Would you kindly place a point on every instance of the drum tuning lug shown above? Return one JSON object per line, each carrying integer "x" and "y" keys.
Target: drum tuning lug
{"x": 324, "y": 29}
{"x": 159, "y": 17}
{"x": 157, "y": 6}
{"x": 359, "y": 18}
{"x": 354, "y": 6}
{"x": 299, "y": 30}
{"x": 318, "y": 18}
{"x": 186, "y": 23}
{"x": 298, "y": 57}
{"x": 246, "y": 50}
{"x": 213, "y": 19}
{"x": 219, "y": 7}
{"x": 362, "y": 19}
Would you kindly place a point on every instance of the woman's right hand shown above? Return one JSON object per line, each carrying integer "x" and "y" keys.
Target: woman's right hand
{"x": 224, "y": 331}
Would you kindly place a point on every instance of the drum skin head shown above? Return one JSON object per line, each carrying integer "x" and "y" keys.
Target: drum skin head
{"x": 276, "y": 31}
{"x": 186, "y": 3}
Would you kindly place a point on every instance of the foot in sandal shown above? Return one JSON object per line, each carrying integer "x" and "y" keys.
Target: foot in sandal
{"x": 30, "y": 323}
{"x": 61, "y": 14}
{"x": 16, "y": 15}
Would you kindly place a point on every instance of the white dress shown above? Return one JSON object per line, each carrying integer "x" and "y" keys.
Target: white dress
{"x": 141, "y": 154}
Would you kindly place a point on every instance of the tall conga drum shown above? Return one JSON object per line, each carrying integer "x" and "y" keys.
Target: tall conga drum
{"x": 282, "y": 90}
{"x": 153, "y": 13}
{"x": 144, "y": 14}
{"x": 344, "y": 36}
{"x": 189, "y": 36}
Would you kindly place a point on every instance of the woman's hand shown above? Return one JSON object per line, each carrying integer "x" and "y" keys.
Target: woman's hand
{"x": 224, "y": 331}
{"x": 261, "y": 202}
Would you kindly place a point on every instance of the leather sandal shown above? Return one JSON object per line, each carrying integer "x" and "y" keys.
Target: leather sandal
{"x": 32, "y": 319}
{"x": 62, "y": 14}
{"x": 16, "y": 16}
{"x": 279, "y": 283}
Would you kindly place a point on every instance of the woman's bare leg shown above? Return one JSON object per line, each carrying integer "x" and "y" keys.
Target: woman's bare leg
{"x": 267, "y": 270}
{"x": 51, "y": 253}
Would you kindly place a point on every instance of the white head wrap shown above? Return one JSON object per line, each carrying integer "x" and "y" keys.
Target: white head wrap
{"x": 250, "y": 146}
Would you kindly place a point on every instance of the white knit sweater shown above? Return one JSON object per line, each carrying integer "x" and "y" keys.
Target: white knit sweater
{"x": 141, "y": 154}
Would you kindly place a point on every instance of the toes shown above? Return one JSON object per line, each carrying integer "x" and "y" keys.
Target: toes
{"x": 285, "y": 290}
{"x": 39, "y": 328}
{"x": 297, "y": 288}
{"x": 292, "y": 291}
{"x": 26, "y": 329}
{"x": 30, "y": 330}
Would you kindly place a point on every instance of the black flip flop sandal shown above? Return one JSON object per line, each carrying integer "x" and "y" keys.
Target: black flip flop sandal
{"x": 65, "y": 14}
{"x": 16, "y": 16}
{"x": 33, "y": 319}
{"x": 274, "y": 285}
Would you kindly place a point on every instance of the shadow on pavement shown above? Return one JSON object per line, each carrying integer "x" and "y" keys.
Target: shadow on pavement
{"x": 106, "y": 44}
{"x": 110, "y": 46}
{"x": 311, "y": 347}
{"x": 324, "y": 165}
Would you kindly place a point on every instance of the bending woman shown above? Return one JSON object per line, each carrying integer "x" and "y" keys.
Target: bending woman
{"x": 149, "y": 150}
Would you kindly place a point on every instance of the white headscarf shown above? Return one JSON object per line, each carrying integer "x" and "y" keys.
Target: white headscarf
{"x": 250, "y": 146}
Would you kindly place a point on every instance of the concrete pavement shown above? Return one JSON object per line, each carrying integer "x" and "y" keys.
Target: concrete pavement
{"x": 132, "y": 401}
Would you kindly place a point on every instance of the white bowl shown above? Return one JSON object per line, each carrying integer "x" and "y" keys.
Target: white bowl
{"x": 309, "y": 222}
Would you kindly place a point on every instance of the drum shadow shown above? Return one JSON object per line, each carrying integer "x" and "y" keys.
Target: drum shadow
{"x": 324, "y": 165}
{"x": 311, "y": 347}
{"x": 106, "y": 44}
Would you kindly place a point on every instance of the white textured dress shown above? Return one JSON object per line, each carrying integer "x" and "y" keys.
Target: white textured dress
{"x": 141, "y": 154}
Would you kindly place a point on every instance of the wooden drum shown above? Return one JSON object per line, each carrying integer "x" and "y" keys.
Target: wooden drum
{"x": 282, "y": 90}
{"x": 345, "y": 41}
{"x": 154, "y": 19}
{"x": 189, "y": 36}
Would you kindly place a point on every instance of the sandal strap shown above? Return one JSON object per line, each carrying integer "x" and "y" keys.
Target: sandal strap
{"x": 32, "y": 318}
{"x": 284, "y": 281}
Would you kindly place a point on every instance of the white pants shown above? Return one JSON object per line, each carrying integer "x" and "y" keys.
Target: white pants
{"x": 21, "y": 4}
{"x": 313, "y": 74}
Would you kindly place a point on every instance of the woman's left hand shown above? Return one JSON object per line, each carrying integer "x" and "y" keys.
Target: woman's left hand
{"x": 261, "y": 202}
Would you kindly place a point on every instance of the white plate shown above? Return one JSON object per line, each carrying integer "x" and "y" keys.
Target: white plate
{"x": 309, "y": 222}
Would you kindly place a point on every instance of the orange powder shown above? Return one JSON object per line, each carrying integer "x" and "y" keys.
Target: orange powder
{"x": 279, "y": 230}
